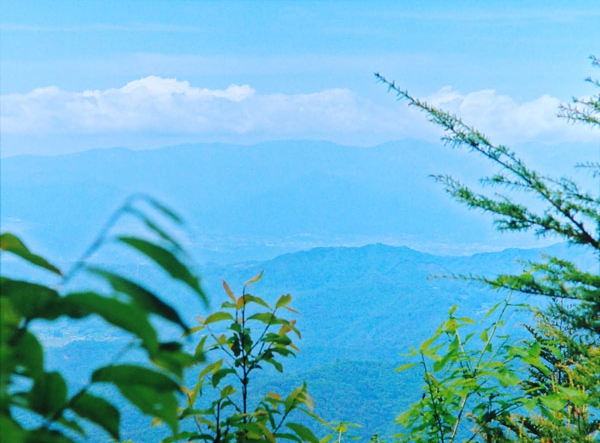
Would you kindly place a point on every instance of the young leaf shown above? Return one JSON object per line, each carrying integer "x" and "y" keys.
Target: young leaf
{"x": 229, "y": 292}
{"x": 303, "y": 432}
{"x": 254, "y": 279}
{"x": 216, "y": 317}
{"x": 283, "y": 301}
{"x": 274, "y": 395}
{"x": 248, "y": 298}
{"x": 265, "y": 317}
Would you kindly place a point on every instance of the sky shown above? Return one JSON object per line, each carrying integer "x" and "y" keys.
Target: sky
{"x": 81, "y": 75}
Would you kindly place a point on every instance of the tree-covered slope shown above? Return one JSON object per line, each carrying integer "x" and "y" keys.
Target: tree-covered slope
{"x": 360, "y": 310}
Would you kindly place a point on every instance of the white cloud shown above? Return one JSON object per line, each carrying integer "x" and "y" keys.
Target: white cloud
{"x": 507, "y": 121}
{"x": 156, "y": 105}
{"x": 165, "y": 105}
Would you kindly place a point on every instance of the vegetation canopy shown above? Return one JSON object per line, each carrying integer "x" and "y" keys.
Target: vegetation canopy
{"x": 35, "y": 404}
{"x": 546, "y": 388}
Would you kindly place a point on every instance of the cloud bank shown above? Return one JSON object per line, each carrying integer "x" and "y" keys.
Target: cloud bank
{"x": 156, "y": 105}
{"x": 164, "y": 105}
{"x": 503, "y": 118}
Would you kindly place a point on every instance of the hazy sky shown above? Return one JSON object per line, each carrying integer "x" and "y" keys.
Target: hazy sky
{"x": 86, "y": 74}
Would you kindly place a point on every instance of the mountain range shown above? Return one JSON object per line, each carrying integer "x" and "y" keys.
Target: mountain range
{"x": 360, "y": 311}
{"x": 259, "y": 201}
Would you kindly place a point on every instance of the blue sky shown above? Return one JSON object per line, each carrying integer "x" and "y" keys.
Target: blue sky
{"x": 143, "y": 74}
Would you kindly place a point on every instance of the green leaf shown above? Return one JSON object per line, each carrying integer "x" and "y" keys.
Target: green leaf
{"x": 553, "y": 401}
{"x": 11, "y": 430}
{"x": 248, "y": 298}
{"x": 451, "y": 326}
{"x": 466, "y": 320}
{"x": 484, "y": 335}
{"x": 125, "y": 316}
{"x": 303, "y": 432}
{"x": 12, "y": 243}
{"x": 144, "y": 298}
{"x": 576, "y": 396}
{"x": 228, "y": 391}
{"x": 217, "y": 317}
{"x": 151, "y": 392}
{"x": 44, "y": 435}
{"x": 167, "y": 261}
{"x": 200, "y": 348}
{"x": 295, "y": 397}
{"x": 188, "y": 436}
{"x": 172, "y": 358}
{"x": 28, "y": 352}
{"x": 134, "y": 375}
{"x": 49, "y": 394}
{"x": 427, "y": 343}
{"x": 153, "y": 402}
{"x": 529, "y": 403}
{"x": 493, "y": 309}
{"x": 32, "y": 300}
{"x": 507, "y": 378}
{"x": 283, "y": 301}
{"x": 255, "y": 278}
{"x": 210, "y": 368}
{"x": 277, "y": 365}
{"x": 288, "y": 436}
{"x": 162, "y": 208}
{"x": 265, "y": 317}
{"x": 99, "y": 411}
{"x": 406, "y": 366}
{"x": 71, "y": 424}
{"x": 220, "y": 374}
{"x": 441, "y": 363}
{"x": 229, "y": 292}
{"x": 150, "y": 224}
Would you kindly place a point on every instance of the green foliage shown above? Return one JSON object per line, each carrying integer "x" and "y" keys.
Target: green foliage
{"x": 469, "y": 375}
{"x": 546, "y": 388}
{"x": 31, "y": 394}
{"x": 248, "y": 334}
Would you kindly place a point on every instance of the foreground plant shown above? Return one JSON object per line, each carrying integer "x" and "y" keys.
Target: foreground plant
{"x": 554, "y": 393}
{"x": 35, "y": 404}
{"x": 246, "y": 335}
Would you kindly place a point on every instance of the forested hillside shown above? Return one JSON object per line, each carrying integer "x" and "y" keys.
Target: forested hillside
{"x": 360, "y": 311}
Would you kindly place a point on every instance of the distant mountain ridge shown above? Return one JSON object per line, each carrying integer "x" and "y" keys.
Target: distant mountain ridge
{"x": 255, "y": 202}
{"x": 375, "y": 289}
